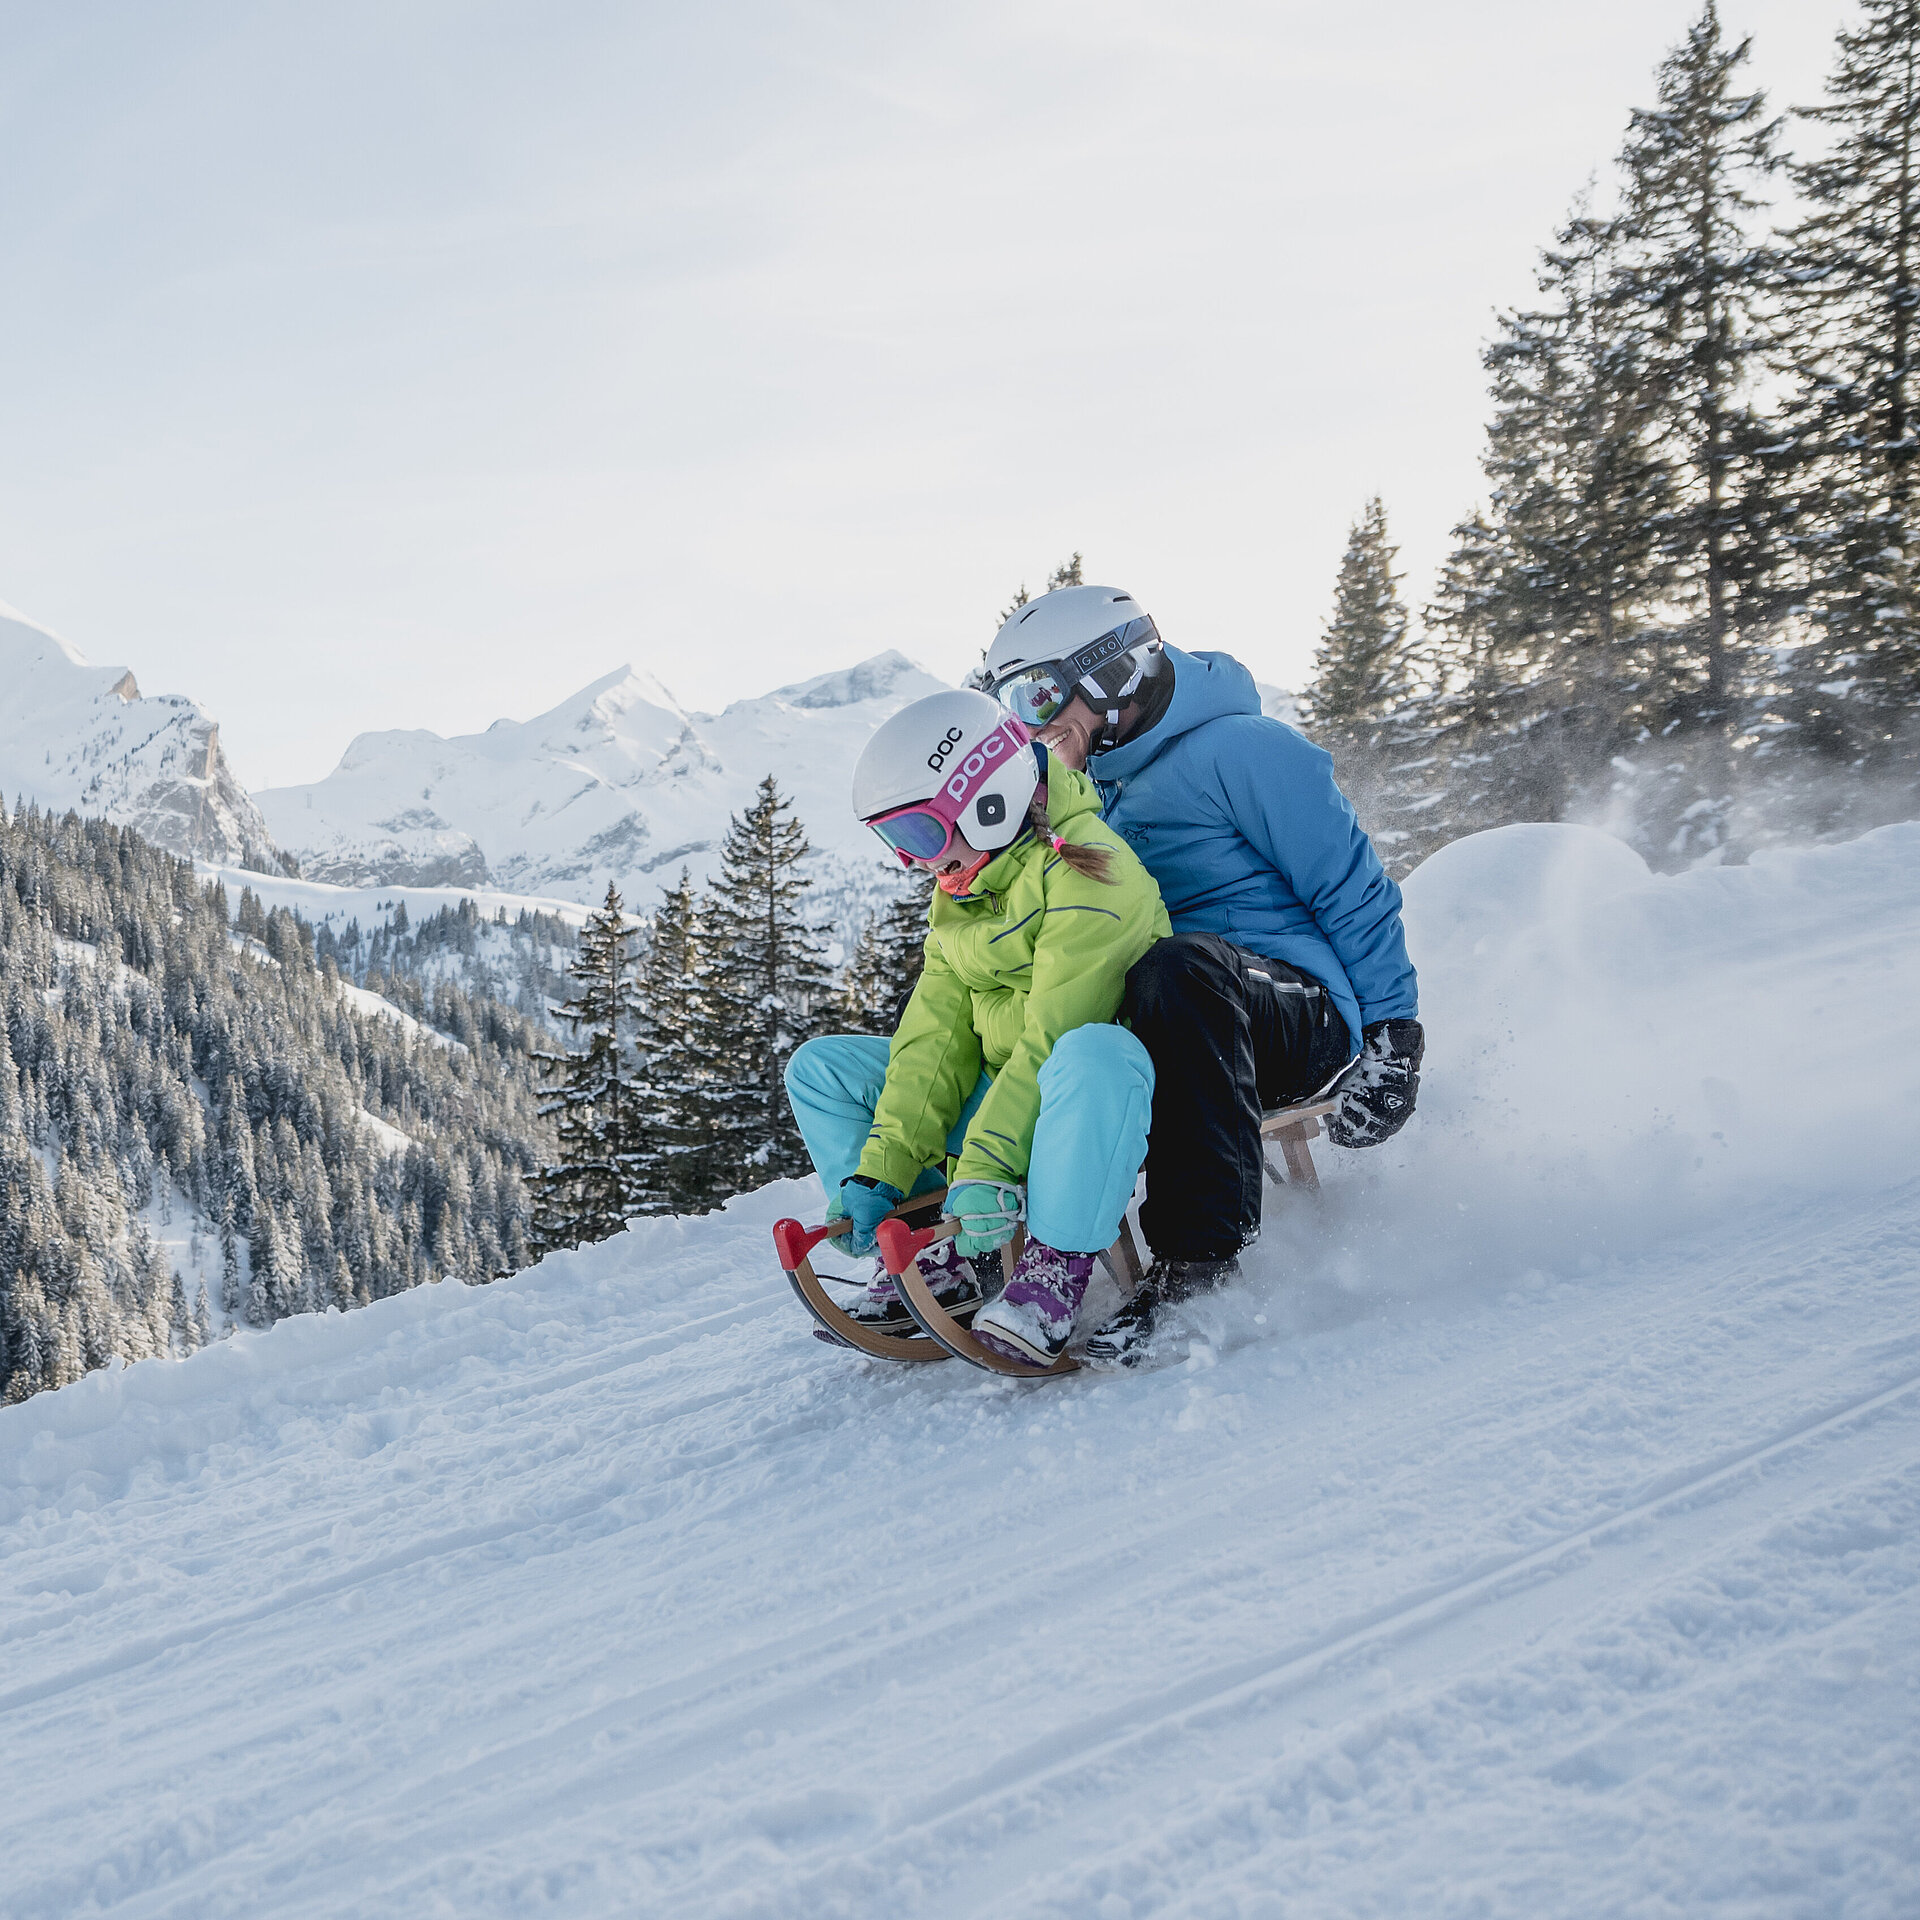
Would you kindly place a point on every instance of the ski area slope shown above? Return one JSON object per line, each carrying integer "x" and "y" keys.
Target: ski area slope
{"x": 1535, "y": 1533}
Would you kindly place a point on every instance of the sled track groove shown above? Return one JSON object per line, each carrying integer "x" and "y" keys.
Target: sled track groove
{"x": 1107, "y": 1736}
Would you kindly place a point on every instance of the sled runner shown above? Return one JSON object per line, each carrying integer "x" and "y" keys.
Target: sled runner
{"x": 793, "y": 1243}
{"x": 899, "y": 1244}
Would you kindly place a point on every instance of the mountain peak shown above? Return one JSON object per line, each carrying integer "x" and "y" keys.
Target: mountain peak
{"x": 76, "y": 735}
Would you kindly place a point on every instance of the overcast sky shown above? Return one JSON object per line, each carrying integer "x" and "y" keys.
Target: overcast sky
{"x": 411, "y": 365}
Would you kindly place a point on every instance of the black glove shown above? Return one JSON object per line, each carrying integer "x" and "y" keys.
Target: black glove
{"x": 1376, "y": 1093}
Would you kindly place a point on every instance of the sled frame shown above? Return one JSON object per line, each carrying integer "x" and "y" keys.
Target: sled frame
{"x": 1292, "y": 1127}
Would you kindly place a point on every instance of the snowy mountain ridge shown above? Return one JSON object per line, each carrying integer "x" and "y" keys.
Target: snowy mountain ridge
{"x": 80, "y": 736}
{"x": 619, "y": 781}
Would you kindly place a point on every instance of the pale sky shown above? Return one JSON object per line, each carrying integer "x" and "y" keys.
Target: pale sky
{"x": 408, "y": 364}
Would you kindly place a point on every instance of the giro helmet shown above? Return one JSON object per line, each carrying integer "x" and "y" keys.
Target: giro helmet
{"x": 1095, "y": 641}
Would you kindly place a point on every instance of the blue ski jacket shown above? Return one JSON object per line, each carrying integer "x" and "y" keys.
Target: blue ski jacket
{"x": 1238, "y": 818}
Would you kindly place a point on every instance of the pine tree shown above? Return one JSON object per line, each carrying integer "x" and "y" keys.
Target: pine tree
{"x": 670, "y": 1146}
{"x": 1066, "y": 575}
{"x": 759, "y": 984}
{"x": 1473, "y": 643}
{"x": 1689, "y": 279}
{"x": 1582, "y": 488}
{"x": 886, "y": 960}
{"x": 1850, "y": 292}
{"x": 582, "y": 1196}
{"x": 1362, "y": 669}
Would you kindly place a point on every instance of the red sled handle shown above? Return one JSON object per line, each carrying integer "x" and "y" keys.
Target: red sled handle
{"x": 793, "y": 1242}
{"x": 899, "y": 1243}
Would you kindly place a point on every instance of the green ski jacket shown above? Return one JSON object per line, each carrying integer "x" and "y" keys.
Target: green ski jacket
{"x": 1033, "y": 952}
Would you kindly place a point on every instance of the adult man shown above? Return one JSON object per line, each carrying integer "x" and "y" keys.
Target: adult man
{"x": 1287, "y": 965}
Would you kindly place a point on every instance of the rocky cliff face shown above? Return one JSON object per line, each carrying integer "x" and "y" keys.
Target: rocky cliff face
{"x": 80, "y": 736}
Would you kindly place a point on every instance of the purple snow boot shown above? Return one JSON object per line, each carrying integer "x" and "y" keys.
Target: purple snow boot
{"x": 1033, "y": 1319}
{"x": 950, "y": 1279}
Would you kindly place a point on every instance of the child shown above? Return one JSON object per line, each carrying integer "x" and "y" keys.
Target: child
{"x": 1006, "y": 1058}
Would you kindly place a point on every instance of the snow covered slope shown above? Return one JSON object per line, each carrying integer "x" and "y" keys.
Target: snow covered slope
{"x": 618, "y": 782}
{"x": 1536, "y": 1533}
{"x": 80, "y": 736}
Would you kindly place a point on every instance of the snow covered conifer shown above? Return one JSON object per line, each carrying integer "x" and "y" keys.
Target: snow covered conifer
{"x": 760, "y": 984}
{"x": 1689, "y": 279}
{"x": 886, "y": 960}
{"x": 1851, "y": 298}
{"x": 668, "y": 1143}
{"x": 582, "y": 1196}
{"x": 1362, "y": 671}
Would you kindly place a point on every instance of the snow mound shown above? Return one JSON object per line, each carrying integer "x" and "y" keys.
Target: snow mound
{"x": 1535, "y": 1532}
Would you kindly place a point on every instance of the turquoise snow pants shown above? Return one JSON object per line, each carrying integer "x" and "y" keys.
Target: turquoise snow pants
{"x": 1096, "y": 1099}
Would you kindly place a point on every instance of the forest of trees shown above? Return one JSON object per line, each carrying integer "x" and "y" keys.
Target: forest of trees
{"x": 1687, "y": 608}
{"x": 154, "y": 1057}
{"x": 521, "y": 962}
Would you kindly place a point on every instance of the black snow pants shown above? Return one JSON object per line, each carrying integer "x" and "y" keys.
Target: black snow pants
{"x": 1231, "y": 1033}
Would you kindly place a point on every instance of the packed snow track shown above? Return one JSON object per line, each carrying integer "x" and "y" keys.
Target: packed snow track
{"x": 1537, "y": 1532}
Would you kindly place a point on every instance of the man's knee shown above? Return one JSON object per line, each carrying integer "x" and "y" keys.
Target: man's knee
{"x": 1174, "y": 972}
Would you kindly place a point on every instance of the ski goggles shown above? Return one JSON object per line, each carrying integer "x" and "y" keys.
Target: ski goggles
{"x": 1036, "y": 693}
{"x": 915, "y": 833}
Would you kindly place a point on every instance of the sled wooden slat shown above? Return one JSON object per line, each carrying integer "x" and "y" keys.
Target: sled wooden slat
{"x": 1293, "y": 1127}
{"x": 1123, "y": 1260}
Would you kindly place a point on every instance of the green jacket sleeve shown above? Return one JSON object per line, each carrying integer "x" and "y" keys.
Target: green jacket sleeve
{"x": 932, "y": 1066}
{"x": 1092, "y": 934}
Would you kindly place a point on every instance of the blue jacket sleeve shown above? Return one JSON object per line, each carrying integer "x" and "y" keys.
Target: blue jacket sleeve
{"x": 1279, "y": 791}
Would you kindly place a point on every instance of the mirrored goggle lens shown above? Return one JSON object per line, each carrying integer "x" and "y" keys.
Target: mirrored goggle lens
{"x": 1034, "y": 696}
{"x": 922, "y": 834}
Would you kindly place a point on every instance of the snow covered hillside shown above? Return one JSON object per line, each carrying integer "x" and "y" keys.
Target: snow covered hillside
{"x": 80, "y": 736}
{"x": 1536, "y": 1533}
{"x": 501, "y": 945}
{"x": 618, "y": 782}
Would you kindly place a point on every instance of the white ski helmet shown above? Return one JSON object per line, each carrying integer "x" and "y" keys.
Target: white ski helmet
{"x": 1096, "y": 641}
{"x": 951, "y": 760}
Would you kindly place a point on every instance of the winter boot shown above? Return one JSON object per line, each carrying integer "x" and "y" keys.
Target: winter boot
{"x": 1033, "y": 1318}
{"x": 950, "y": 1278}
{"x": 1127, "y": 1338}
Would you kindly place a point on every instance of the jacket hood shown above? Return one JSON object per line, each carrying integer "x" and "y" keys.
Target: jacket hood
{"x": 1206, "y": 686}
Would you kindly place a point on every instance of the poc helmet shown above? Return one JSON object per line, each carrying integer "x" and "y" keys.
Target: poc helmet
{"x": 952, "y": 760}
{"x": 1096, "y": 641}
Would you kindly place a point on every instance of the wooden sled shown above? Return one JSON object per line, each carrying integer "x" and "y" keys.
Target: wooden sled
{"x": 914, "y": 1226}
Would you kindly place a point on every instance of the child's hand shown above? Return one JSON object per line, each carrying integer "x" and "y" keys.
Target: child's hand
{"x": 988, "y": 1214}
{"x": 866, "y": 1203}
